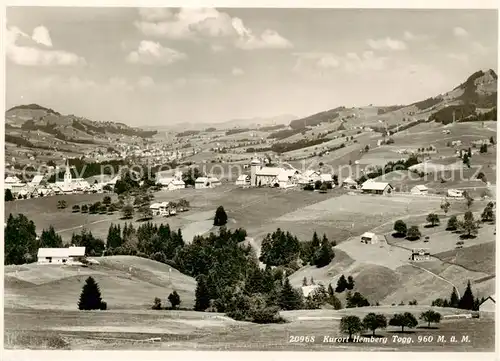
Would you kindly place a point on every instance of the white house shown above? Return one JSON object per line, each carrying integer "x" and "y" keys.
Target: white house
{"x": 420, "y": 189}
{"x": 326, "y": 178}
{"x": 421, "y": 254}
{"x": 214, "y": 182}
{"x": 35, "y": 182}
{"x": 285, "y": 179}
{"x": 70, "y": 255}
{"x": 206, "y": 182}
{"x": 265, "y": 176}
{"x": 488, "y": 307}
{"x": 369, "y": 238}
{"x": 243, "y": 180}
{"x": 176, "y": 184}
{"x": 165, "y": 181}
{"x": 349, "y": 183}
{"x": 373, "y": 187}
{"x": 455, "y": 193}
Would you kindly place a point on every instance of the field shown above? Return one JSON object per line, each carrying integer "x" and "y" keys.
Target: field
{"x": 193, "y": 330}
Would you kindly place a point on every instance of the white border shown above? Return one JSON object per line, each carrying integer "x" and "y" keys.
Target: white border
{"x": 222, "y": 356}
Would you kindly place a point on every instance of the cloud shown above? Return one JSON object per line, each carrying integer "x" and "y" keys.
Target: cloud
{"x": 152, "y": 53}
{"x": 33, "y": 56}
{"x": 199, "y": 23}
{"x": 237, "y": 71}
{"x": 409, "y": 36}
{"x": 464, "y": 58}
{"x": 387, "y": 44}
{"x": 367, "y": 61}
{"x": 319, "y": 60}
{"x": 460, "y": 32}
{"x": 216, "y": 48}
{"x": 41, "y": 36}
{"x": 145, "y": 82}
{"x": 350, "y": 62}
{"x": 480, "y": 49}
{"x": 155, "y": 14}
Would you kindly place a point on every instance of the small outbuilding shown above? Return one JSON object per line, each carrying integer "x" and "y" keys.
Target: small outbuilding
{"x": 487, "y": 308}
{"x": 369, "y": 238}
{"x": 372, "y": 187}
{"x": 243, "y": 180}
{"x": 420, "y": 189}
{"x": 69, "y": 255}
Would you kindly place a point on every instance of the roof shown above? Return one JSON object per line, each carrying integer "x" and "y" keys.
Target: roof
{"x": 61, "y": 252}
{"x": 178, "y": 182}
{"x": 270, "y": 171}
{"x": 349, "y": 180}
{"x": 310, "y": 173}
{"x": 165, "y": 180}
{"x": 12, "y": 179}
{"x": 213, "y": 179}
{"x": 201, "y": 180}
{"x": 255, "y": 161}
{"x": 37, "y": 179}
{"x": 155, "y": 205}
{"x": 375, "y": 186}
{"x": 243, "y": 177}
{"x": 421, "y": 187}
{"x": 283, "y": 177}
{"x": 368, "y": 235}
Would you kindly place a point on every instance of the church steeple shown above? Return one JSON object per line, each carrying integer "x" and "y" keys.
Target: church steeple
{"x": 67, "y": 173}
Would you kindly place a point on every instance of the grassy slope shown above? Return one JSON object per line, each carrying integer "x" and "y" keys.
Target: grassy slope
{"x": 49, "y": 287}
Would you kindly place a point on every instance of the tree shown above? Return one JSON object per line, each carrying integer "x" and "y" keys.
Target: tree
{"x": 128, "y": 211}
{"x": 400, "y": 227}
{"x": 157, "y": 304}
{"x": 445, "y": 206}
{"x": 356, "y": 300}
{"x": 351, "y": 325}
{"x": 433, "y": 219}
{"x": 403, "y": 320}
{"x": 174, "y": 299}
{"x": 467, "y": 300}
{"x": 220, "y": 218}
{"x": 332, "y": 299}
{"x": 8, "y": 195}
{"x": 61, "y": 205}
{"x": 373, "y": 321}
{"x": 350, "y": 283}
{"x": 107, "y": 200}
{"x": 323, "y": 188}
{"x": 289, "y": 298}
{"x": 145, "y": 212}
{"x": 317, "y": 184}
{"x": 466, "y": 160}
{"x": 76, "y": 208}
{"x": 492, "y": 140}
{"x": 324, "y": 255}
{"x": 454, "y": 301}
{"x": 488, "y": 214}
{"x": 50, "y": 239}
{"x": 341, "y": 284}
{"x": 114, "y": 239}
{"x": 367, "y": 148}
{"x": 483, "y": 149}
{"x": 468, "y": 199}
{"x": 85, "y": 208}
{"x": 20, "y": 240}
{"x": 430, "y": 316}
{"x": 469, "y": 225}
{"x": 304, "y": 281}
{"x": 452, "y": 223}
{"x": 202, "y": 294}
{"x": 413, "y": 233}
{"x": 90, "y": 298}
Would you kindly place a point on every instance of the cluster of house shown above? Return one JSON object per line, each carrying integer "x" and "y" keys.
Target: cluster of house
{"x": 279, "y": 177}
{"x": 165, "y": 209}
{"x": 38, "y": 187}
{"x": 176, "y": 182}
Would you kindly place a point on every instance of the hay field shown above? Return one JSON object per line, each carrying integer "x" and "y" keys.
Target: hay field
{"x": 480, "y": 257}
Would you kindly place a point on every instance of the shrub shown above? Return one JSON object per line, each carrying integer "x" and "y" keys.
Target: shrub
{"x": 413, "y": 233}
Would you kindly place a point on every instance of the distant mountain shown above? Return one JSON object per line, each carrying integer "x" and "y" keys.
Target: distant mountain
{"x": 34, "y": 117}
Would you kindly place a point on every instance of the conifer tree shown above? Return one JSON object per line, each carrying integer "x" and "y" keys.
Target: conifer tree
{"x": 90, "y": 298}
{"x": 202, "y": 295}
{"x": 454, "y": 298}
{"x": 467, "y": 300}
{"x": 289, "y": 298}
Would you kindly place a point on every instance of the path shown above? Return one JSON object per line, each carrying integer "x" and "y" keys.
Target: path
{"x": 82, "y": 225}
{"x": 438, "y": 276}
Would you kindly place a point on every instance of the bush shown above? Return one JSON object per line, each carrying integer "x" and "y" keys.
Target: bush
{"x": 308, "y": 187}
{"x": 400, "y": 228}
{"x": 220, "y": 218}
{"x": 413, "y": 233}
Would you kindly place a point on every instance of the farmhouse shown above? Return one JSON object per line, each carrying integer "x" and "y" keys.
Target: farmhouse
{"x": 285, "y": 179}
{"x": 372, "y": 187}
{"x": 326, "y": 178}
{"x": 243, "y": 180}
{"x": 206, "y": 182}
{"x": 455, "y": 193}
{"x": 70, "y": 255}
{"x": 421, "y": 254}
{"x": 35, "y": 182}
{"x": 487, "y": 308}
{"x": 369, "y": 238}
{"x": 265, "y": 176}
{"x": 420, "y": 189}
{"x": 349, "y": 183}
{"x": 478, "y": 143}
{"x": 176, "y": 184}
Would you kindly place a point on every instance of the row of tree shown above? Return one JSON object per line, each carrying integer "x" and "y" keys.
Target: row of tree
{"x": 466, "y": 302}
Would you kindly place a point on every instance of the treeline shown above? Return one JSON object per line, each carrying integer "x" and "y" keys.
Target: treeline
{"x": 285, "y": 133}
{"x": 466, "y": 302}
{"x": 389, "y": 167}
{"x": 81, "y": 169}
{"x": 395, "y": 128}
{"x": 34, "y": 107}
{"x": 19, "y": 141}
{"x": 237, "y": 130}
{"x": 481, "y": 117}
{"x": 255, "y": 150}
{"x": 427, "y": 103}
{"x": 445, "y": 115}
{"x": 316, "y": 119}
{"x": 271, "y": 127}
{"x": 388, "y": 109}
{"x": 187, "y": 133}
{"x": 303, "y": 143}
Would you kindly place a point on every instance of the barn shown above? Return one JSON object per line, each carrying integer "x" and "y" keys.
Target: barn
{"x": 369, "y": 238}
{"x": 70, "y": 255}
{"x": 420, "y": 189}
{"x": 372, "y": 187}
{"x": 487, "y": 308}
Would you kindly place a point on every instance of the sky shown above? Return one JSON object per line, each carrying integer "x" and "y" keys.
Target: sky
{"x": 160, "y": 66}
